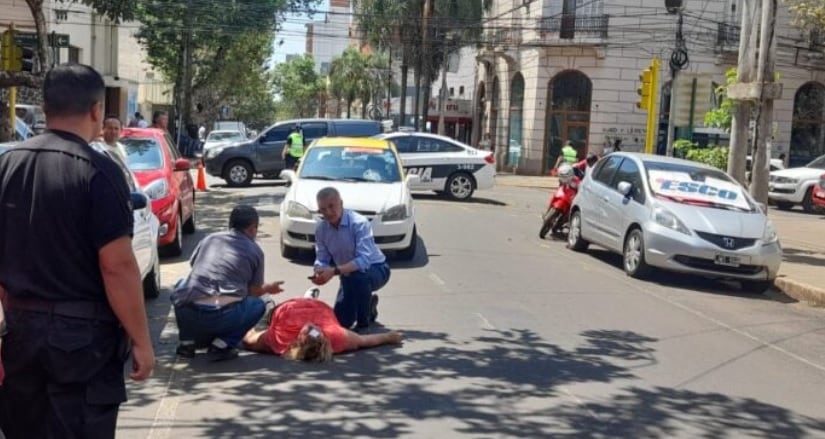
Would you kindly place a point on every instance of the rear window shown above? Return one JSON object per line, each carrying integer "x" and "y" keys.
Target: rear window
{"x": 364, "y": 128}
{"x": 219, "y": 136}
{"x": 142, "y": 154}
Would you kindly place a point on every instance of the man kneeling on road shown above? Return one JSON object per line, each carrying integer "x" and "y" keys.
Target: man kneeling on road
{"x": 345, "y": 246}
{"x": 220, "y": 300}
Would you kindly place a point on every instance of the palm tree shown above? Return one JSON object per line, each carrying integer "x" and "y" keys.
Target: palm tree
{"x": 347, "y": 76}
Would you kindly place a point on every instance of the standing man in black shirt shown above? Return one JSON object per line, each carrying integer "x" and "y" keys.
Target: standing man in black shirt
{"x": 72, "y": 286}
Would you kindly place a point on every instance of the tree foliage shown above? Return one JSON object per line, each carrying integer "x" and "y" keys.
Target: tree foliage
{"x": 355, "y": 75}
{"x": 722, "y": 116}
{"x": 808, "y": 14}
{"x": 716, "y": 156}
{"x": 298, "y": 86}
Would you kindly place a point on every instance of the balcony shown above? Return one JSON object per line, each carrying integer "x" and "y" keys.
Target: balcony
{"x": 503, "y": 39}
{"x": 576, "y": 27}
{"x": 727, "y": 37}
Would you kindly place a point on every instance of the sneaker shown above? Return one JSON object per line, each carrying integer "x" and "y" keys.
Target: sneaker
{"x": 312, "y": 293}
{"x": 218, "y": 354}
{"x": 373, "y": 308}
{"x": 186, "y": 350}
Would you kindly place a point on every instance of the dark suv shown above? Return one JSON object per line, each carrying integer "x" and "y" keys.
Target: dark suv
{"x": 238, "y": 163}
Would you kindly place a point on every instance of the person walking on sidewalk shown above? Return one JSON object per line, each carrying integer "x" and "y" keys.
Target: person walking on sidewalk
{"x": 220, "y": 299}
{"x": 345, "y": 247}
{"x": 294, "y": 149}
{"x": 73, "y": 293}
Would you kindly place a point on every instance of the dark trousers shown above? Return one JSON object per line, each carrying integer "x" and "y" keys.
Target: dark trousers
{"x": 353, "y": 302}
{"x": 202, "y": 325}
{"x": 64, "y": 377}
{"x": 291, "y": 162}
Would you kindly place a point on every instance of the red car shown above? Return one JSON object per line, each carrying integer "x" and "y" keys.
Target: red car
{"x": 163, "y": 174}
{"x": 819, "y": 192}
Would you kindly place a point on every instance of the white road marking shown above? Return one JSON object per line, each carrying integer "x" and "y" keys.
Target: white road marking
{"x": 438, "y": 281}
{"x": 484, "y": 322}
{"x": 166, "y": 413}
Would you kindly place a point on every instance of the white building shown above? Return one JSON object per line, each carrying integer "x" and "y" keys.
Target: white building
{"x": 553, "y": 70}
{"x": 327, "y": 39}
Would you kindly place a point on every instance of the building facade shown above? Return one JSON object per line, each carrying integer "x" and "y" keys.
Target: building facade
{"x": 327, "y": 39}
{"x": 550, "y": 71}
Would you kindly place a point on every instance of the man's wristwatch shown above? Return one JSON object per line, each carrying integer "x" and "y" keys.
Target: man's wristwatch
{"x": 337, "y": 271}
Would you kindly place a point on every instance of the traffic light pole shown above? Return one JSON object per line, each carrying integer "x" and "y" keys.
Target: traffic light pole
{"x": 12, "y": 109}
{"x": 650, "y": 135}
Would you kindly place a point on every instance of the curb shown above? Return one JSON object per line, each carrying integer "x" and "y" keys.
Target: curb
{"x": 801, "y": 291}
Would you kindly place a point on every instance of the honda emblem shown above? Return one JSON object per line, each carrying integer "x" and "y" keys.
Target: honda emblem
{"x": 729, "y": 242}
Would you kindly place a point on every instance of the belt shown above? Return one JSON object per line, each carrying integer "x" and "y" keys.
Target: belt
{"x": 87, "y": 310}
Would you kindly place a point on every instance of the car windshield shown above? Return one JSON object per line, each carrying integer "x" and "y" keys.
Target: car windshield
{"x": 697, "y": 186}
{"x": 350, "y": 164}
{"x": 818, "y": 163}
{"x": 142, "y": 154}
{"x": 224, "y": 136}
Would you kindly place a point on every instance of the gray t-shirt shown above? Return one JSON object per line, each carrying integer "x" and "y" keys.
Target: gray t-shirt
{"x": 223, "y": 263}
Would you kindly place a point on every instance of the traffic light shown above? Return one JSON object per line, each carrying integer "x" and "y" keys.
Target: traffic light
{"x": 26, "y": 59}
{"x": 645, "y": 90}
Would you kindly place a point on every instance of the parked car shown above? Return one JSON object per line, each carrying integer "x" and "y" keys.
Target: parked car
{"x": 795, "y": 186}
{"x": 678, "y": 215}
{"x": 239, "y": 163}
{"x": 21, "y": 130}
{"x": 223, "y": 137}
{"x": 444, "y": 165}
{"x": 369, "y": 176}
{"x": 33, "y": 116}
{"x": 773, "y": 165}
{"x": 819, "y": 192}
{"x": 164, "y": 176}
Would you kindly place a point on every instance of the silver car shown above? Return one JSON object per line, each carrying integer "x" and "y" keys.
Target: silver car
{"x": 675, "y": 215}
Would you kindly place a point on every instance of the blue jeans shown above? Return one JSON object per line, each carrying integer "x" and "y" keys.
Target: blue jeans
{"x": 230, "y": 323}
{"x": 353, "y": 302}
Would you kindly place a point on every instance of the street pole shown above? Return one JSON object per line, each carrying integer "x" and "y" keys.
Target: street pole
{"x": 671, "y": 119}
{"x": 764, "y": 117}
{"x": 650, "y": 135}
{"x": 442, "y": 101}
{"x": 742, "y": 112}
{"x": 12, "y": 110}
{"x": 388, "y": 114}
{"x": 425, "y": 57}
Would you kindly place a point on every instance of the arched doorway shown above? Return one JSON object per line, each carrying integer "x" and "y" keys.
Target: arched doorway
{"x": 514, "y": 138}
{"x": 494, "y": 104}
{"x": 808, "y": 128}
{"x": 568, "y": 117}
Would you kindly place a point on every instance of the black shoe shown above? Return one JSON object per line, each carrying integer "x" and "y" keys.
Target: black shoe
{"x": 373, "y": 308}
{"x": 216, "y": 354}
{"x": 186, "y": 350}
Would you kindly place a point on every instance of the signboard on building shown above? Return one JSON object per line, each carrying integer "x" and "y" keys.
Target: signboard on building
{"x": 29, "y": 39}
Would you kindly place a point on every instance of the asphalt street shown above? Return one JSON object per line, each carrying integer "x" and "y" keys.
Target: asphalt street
{"x": 506, "y": 335}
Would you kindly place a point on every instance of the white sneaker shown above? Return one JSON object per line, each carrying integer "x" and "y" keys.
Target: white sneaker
{"x": 312, "y": 293}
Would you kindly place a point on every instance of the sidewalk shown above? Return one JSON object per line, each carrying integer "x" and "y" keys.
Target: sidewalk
{"x": 802, "y": 275}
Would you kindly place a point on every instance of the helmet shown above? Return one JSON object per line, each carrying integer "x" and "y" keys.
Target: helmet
{"x": 592, "y": 158}
{"x": 565, "y": 173}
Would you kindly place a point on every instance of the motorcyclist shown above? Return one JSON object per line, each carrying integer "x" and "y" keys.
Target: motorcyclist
{"x": 566, "y": 174}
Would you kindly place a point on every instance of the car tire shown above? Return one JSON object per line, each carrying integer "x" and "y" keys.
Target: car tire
{"x": 633, "y": 256}
{"x": 151, "y": 284}
{"x": 782, "y": 205}
{"x": 756, "y": 286}
{"x": 175, "y": 248}
{"x": 460, "y": 186}
{"x": 550, "y": 217}
{"x": 238, "y": 173}
{"x": 189, "y": 225}
{"x": 408, "y": 253}
{"x": 575, "y": 241}
{"x": 808, "y": 201}
{"x": 287, "y": 251}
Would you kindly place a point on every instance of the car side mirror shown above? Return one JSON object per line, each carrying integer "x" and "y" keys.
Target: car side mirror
{"x": 625, "y": 188}
{"x": 413, "y": 179}
{"x": 288, "y": 175}
{"x": 139, "y": 200}
{"x": 182, "y": 165}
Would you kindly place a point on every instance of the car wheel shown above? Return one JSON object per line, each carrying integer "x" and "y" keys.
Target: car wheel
{"x": 460, "y": 186}
{"x": 550, "y": 217}
{"x": 756, "y": 286}
{"x": 408, "y": 253}
{"x": 189, "y": 225}
{"x": 782, "y": 205}
{"x": 175, "y": 248}
{"x": 238, "y": 173}
{"x": 634, "y": 255}
{"x": 151, "y": 284}
{"x": 575, "y": 241}
{"x": 287, "y": 251}
{"x": 808, "y": 201}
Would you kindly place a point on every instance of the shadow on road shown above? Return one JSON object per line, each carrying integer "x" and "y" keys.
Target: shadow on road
{"x": 421, "y": 259}
{"x": 474, "y": 200}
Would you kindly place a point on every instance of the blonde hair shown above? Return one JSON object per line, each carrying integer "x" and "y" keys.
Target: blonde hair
{"x": 310, "y": 349}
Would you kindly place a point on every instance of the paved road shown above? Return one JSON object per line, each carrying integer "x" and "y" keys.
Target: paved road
{"x": 507, "y": 336}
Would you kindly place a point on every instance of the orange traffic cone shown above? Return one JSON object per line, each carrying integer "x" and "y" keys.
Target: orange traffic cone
{"x": 201, "y": 186}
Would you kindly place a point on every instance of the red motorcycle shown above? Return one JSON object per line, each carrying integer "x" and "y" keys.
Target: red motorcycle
{"x": 558, "y": 211}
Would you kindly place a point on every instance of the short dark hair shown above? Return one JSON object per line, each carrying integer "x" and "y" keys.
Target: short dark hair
{"x": 72, "y": 90}
{"x": 112, "y": 117}
{"x": 242, "y": 217}
{"x": 138, "y": 115}
{"x": 157, "y": 115}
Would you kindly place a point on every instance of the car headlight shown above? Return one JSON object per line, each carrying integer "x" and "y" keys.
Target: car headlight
{"x": 666, "y": 218}
{"x": 214, "y": 152}
{"x": 298, "y": 210}
{"x": 395, "y": 213}
{"x": 157, "y": 189}
{"x": 769, "y": 236}
{"x": 786, "y": 180}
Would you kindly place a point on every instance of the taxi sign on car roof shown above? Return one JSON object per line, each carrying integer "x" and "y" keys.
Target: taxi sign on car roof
{"x": 353, "y": 142}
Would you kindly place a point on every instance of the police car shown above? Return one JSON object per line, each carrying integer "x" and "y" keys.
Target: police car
{"x": 444, "y": 165}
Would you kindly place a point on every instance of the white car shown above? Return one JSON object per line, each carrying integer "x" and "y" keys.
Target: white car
{"x": 368, "y": 174}
{"x": 223, "y": 137}
{"x": 444, "y": 165}
{"x": 790, "y": 187}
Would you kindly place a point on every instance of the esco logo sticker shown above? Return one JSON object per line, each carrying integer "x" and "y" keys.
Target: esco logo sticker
{"x": 700, "y": 188}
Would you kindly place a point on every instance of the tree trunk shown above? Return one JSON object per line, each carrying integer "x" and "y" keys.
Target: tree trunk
{"x": 364, "y": 108}
{"x": 36, "y": 7}
{"x": 402, "y": 112}
{"x": 417, "y": 98}
{"x": 349, "y": 108}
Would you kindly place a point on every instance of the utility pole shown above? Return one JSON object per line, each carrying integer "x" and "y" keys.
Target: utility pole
{"x": 442, "y": 101}
{"x": 741, "y": 115}
{"x": 425, "y": 56}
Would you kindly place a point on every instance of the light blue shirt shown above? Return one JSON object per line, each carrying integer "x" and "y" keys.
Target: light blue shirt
{"x": 352, "y": 241}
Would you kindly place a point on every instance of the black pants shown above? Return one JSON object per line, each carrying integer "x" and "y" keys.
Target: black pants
{"x": 291, "y": 162}
{"x": 64, "y": 377}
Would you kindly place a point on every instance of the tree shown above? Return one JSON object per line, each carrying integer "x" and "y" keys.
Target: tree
{"x": 346, "y": 76}
{"x": 298, "y": 86}
{"x": 722, "y": 116}
{"x": 808, "y": 14}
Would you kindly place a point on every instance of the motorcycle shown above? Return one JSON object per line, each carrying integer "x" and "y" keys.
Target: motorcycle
{"x": 558, "y": 210}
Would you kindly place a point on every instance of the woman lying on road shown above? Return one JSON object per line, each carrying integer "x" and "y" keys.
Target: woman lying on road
{"x": 306, "y": 329}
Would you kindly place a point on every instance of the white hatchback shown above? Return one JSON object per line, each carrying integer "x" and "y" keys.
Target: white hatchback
{"x": 444, "y": 165}
{"x": 369, "y": 177}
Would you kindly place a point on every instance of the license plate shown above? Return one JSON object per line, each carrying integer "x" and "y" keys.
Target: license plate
{"x": 728, "y": 260}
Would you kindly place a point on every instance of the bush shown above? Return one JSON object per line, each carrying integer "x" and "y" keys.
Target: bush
{"x": 716, "y": 156}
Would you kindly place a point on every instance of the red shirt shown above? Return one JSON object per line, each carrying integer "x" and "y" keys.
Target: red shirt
{"x": 291, "y": 316}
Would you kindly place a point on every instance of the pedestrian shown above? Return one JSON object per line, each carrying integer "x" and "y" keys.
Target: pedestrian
{"x": 306, "y": 329}
{"x": 294, "y": 149}
{"x": 110, "y": 145}
{"x": 345, "y": 247}
{"x": 160, "y": 120}
{"x": 617, "y": 145}
{"x": 568, "y": 155}
{"x": 73, "y": 288}
{"x": 486, "y": 143}
{"x": 135, "y": 119}
{"x": 220, "y": 299}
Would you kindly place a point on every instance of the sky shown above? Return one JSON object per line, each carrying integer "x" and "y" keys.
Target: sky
{"x": 293, "y": 34}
